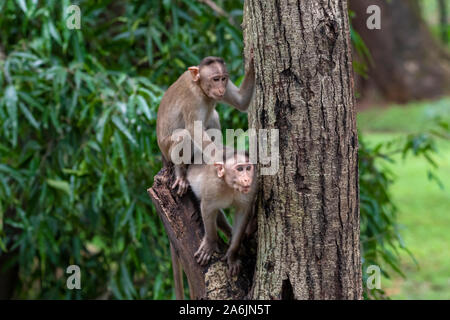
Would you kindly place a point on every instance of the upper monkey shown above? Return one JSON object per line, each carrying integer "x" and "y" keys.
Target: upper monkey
{"x": 193, "y": 97}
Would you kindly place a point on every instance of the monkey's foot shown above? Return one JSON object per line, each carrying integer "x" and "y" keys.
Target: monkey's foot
{"x": 205, "y": 252}
{"x": 234, "y": 264}
{"x": 182, "y": 184}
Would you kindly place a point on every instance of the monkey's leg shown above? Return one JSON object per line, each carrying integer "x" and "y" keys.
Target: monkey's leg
{"x": 240, "y": 224}
{"x": 209, "y": 242}
{"x": 180, "y": 179}
{"x": 180, "y": 168}
{"x": 222, "y": 224}
{"x": 177, "y": 274}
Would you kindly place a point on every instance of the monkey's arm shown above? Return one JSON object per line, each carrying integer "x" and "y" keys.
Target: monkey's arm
{"x": 240, "y": 97}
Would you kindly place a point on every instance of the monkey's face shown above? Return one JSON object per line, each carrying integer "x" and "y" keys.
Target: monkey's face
{"x": 240, "y": 176}
{"x": 213, "y": 80}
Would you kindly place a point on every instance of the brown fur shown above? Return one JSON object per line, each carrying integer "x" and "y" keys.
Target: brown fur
{"x": 217, "y": 187}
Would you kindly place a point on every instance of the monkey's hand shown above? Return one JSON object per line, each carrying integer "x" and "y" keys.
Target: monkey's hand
{"x": 205, "y": 251}
{"x": 182, "y": 184}
{"x": 234, "y": 264}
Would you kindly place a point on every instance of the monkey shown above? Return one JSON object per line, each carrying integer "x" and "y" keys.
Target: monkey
{"x": 193, "y": 97}
{"x": 219, "y": 186}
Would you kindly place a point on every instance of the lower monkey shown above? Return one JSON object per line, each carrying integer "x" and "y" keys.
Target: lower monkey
{"x": 225, "y": 184}
{"x": 231, "y": 183}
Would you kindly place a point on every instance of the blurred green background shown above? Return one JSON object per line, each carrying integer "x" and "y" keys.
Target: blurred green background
{"x": 423, "y": 206}
{"x": 78, "y": 151}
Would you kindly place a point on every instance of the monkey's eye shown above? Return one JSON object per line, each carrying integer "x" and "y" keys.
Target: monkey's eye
{"x": 216, "y": 79}
{"x": 224, "y": 79}
{"x": 240, "y": 169}
{"x": 249, "y": 168}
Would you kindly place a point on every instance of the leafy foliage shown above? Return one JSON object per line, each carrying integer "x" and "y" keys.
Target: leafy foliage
{"x": 78, "y": 145}
{"x": 380, "y": 233}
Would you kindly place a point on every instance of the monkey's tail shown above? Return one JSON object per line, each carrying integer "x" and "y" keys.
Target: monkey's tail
{"x": 177, "y": 274}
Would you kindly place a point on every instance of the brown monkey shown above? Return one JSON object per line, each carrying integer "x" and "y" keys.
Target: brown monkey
{"x": 219, "y": 186}
{"x": 193, "y": 97}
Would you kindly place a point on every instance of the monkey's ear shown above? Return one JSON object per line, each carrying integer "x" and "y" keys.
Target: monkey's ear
{"x": 220, "y": 169}
{"x": 195, "y": 73}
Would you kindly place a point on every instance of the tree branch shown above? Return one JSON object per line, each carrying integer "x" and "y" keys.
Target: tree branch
{"x": 218, "y": 10}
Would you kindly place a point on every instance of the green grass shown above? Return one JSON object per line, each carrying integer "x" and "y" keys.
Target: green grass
{"x": 424, "y": 208}
{"x": 413, "y": 117}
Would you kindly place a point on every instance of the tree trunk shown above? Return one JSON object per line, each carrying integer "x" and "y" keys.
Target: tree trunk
{"x": 408, "y": 63}
{"x": 308, "y": 212}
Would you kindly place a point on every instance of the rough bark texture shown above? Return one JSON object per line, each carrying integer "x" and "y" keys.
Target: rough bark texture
{"x": 408, "y": 63}
{"x": 308, "y": 213}
{"x": 182, "y": 221}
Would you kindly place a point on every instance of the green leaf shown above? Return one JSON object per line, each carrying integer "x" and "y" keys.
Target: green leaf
{"x": 126, "y": 282}
{"x": 124, "y": 188}
{"x": 145, "y": 108}
{"x": 157, "y": 287}
{"x": 119, "y": 124}
{"x": 53, "y": 32}
{"x": 101, "y": 124}
{"x": 23, "y": 6}
{"x": 11, "y": 105}
{"x": 28, "y": 115}
{"x": 119, "y": 144}
{"x": 2, "y": 245}
{"x": 115, "y": 289}
{"x": 30, "y": 100}
{"x": 99, "y": 193}
{"x": 59, "y": 184}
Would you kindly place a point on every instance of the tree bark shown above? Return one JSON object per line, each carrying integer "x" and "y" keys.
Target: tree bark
{"x": 183, "y": 223}
{"x": 308, "y": 212}
{"x": 408, "y": 64}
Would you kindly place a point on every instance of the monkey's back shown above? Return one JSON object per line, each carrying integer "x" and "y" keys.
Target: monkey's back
{"x": 170, "y": 115}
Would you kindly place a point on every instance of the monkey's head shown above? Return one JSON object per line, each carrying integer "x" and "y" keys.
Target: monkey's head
{"x": 212, "y": 77}
{"x": 237, "y": 172}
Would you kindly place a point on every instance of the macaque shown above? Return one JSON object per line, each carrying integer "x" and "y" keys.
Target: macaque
{"x": 219, "y": 186}
{"x": 193, "y": 97}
